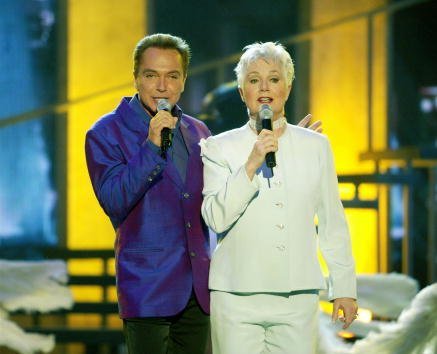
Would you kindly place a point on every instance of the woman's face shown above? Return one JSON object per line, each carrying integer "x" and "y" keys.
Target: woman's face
{"x": 265, "y": 83}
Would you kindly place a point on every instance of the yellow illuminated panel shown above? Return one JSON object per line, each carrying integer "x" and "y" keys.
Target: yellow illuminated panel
{"x": 87, "y": 293}
{"x": 361, "y": 222}
{"x": 85, "y": 266}
{"x": 368, "y": 191}
{"x": 339, "y": 97}
{"x": 112, "y": 293}
{"x": 101, "y": 38}
{"x": 347, "y": 191}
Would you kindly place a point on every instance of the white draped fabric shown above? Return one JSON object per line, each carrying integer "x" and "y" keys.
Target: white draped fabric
{"x": 32, "y": 286}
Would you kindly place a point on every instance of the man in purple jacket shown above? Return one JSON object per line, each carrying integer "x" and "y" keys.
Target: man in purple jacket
{"x": 153, "y": 198}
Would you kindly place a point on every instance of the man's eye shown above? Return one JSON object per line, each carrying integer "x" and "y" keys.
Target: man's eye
{"x": 149, "y": 75}
{"x": 175, "y": 77}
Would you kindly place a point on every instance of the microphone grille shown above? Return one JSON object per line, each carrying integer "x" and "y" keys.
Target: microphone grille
{"x": 265, "y": 112}
{"x": 163, "y": 105}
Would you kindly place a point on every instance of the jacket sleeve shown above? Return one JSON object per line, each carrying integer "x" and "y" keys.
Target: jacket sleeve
{"x": 226, "y": 193}
{"x": 334, "y": 237}
{"x": 119, "y": 183}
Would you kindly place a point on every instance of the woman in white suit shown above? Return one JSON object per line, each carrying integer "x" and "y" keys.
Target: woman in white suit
{"x": 265, "y": 275}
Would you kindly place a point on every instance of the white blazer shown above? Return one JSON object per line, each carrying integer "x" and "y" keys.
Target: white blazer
{"x": 267, "y": 239}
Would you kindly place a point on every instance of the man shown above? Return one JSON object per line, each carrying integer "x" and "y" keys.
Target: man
{"x": 153, "y": 198}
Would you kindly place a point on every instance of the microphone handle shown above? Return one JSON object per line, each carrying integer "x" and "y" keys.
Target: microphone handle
{"x": 166, "y": 139}
{"x": 270, "y": 159}
{"x": 270, "y": 156}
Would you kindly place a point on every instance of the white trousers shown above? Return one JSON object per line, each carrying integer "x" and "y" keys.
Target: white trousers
{"x": 254, "y": 323}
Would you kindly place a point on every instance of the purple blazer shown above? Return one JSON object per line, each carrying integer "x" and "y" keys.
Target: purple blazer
{"x": 162, "y": 243}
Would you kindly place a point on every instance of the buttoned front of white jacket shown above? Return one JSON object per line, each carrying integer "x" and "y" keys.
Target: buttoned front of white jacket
{"x": 267, "y": 240}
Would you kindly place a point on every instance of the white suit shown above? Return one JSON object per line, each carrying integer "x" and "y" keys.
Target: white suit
{"x": 267, "y": 236}
{"x": 267, "y": 240}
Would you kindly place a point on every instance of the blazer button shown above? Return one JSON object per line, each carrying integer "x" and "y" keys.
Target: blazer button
{"x": 186, "y": 195}
{"x": 188, "y": 225}
{"x": 279, "y": 204}
{"x": 281, "y": 248}
{"x": 193, "y": 254}
{"x": 280, "y": 226}
{"x": 150, "y": 179}
{"x": 158, "y": 167}
{"x": 277, "y": 183}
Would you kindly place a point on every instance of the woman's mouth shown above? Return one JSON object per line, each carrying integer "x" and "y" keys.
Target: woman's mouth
{"x": 265, "y": 100}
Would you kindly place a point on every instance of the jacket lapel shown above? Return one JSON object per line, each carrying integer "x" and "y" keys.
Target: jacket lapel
{"x": 190, "y": 137}
{"x": 191, "y": 141}
{"x": 194, "y": 164}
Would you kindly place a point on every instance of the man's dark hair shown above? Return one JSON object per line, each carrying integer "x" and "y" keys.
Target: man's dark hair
{"x": 163, "y": 41}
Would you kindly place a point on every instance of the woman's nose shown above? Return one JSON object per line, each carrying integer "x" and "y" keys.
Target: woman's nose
{"x": 264, "y": 85}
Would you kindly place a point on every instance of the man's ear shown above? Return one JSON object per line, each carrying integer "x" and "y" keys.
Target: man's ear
{"x": 135, "y": 81}
{"x": 183, "y": 84}
{"x": 240, "y": 91}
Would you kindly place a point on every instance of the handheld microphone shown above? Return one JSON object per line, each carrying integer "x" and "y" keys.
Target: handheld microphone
{"x": 266, "y": 115}
{"x": 166, "y": 133}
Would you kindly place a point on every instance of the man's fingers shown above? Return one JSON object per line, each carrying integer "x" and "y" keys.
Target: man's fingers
{"x": 163, "y": 121}
{"x": 304, "y": 122}
{"x": 164, "y": 116}
{"x": 168, "y": 122}
{"x": 160, "y": 121}
{"x": 316, "y": 126}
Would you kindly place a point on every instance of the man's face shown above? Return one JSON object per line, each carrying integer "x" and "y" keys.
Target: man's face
{"x": 160, "y": 75}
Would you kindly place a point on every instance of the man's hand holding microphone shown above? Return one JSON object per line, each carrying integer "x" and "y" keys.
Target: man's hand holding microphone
{"x": 161, "y": 125}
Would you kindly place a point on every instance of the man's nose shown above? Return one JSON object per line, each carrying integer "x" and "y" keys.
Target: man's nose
{"x": 162, "y": 84}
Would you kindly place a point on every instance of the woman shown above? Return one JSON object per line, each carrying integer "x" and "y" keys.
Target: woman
{"x": 265, "y": 275}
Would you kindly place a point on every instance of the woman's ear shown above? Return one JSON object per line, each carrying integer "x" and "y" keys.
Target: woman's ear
{"x": 240, "y": 91}
{"x": 289, "y": 90}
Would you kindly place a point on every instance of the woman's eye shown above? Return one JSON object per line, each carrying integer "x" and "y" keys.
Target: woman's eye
{"x": 253, "y": 81}
{"x": 274, "y": 80}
